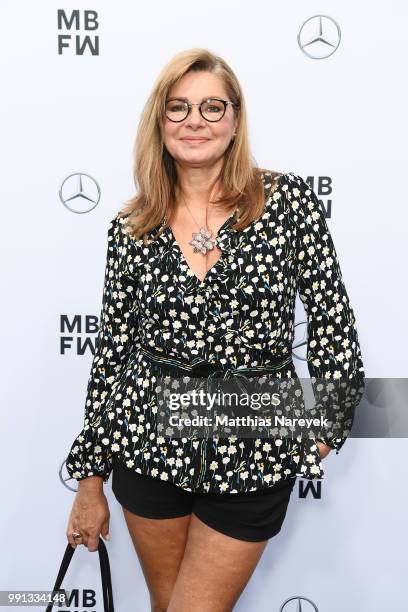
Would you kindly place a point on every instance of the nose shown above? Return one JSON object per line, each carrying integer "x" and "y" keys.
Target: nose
{"x": 194, "y": 117}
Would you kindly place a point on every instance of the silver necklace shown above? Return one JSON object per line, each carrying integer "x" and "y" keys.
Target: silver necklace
{"x": 203, "y": 240}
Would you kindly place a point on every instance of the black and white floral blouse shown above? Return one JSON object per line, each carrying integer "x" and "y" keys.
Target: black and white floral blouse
{"x": 244, "y": 305}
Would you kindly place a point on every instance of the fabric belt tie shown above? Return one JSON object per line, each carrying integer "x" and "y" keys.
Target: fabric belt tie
{"x": 212, "y": 371}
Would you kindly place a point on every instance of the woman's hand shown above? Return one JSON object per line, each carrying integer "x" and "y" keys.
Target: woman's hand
{"x": 324, "y": 449}
{"x": 89, "y": 515}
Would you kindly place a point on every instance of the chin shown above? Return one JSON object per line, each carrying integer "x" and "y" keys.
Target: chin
{"x": 194, "y": 159}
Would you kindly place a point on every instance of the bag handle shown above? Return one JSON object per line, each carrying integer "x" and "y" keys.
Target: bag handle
{"x": 105, "y": 575}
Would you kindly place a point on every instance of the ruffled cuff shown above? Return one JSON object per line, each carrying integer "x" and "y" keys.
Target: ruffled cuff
{"x": 89, "y": 456}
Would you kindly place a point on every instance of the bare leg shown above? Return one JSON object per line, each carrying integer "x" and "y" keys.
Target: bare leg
{"x": 214, "y": 571}
{"x": 159, "y": 544}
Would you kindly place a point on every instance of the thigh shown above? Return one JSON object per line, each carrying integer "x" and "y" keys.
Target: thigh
{"x": 160, "y": 546}
{"x": 157, "y": 515}
{"x": 214, "y": 571}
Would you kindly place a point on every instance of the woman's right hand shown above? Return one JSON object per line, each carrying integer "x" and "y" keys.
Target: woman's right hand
{"x": 324, "y": 449}
{"x": 89, "y": 515}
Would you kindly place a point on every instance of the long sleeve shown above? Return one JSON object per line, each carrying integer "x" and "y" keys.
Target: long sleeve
{"x": 333, "y": 350}
{"x": 118, "y": 331}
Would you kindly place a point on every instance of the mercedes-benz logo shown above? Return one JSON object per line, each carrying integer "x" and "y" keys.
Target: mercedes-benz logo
{"x": 300, "y": 340}
{"x": 66, "y": 480}
{"x": 80, "y": 193}
{"x": 298, "y": 604}
{"x": 319, "y": 36}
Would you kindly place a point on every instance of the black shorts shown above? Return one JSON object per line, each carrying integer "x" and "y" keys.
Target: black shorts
{"x": 253, "y": 516}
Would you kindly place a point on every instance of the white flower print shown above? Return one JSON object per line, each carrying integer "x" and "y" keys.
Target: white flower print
{"x": 242, "y": 311}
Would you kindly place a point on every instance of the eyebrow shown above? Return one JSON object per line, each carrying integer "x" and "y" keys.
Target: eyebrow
{"x": 186, "y": 99}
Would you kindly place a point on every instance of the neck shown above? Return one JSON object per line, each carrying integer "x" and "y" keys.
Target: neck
{"x": 197, "y": 185}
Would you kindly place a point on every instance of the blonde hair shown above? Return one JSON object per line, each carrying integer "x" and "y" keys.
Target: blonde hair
{"x": 153, "y": 167}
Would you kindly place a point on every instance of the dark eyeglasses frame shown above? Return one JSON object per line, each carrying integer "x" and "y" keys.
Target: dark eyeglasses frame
{"x": 199, "y": 104}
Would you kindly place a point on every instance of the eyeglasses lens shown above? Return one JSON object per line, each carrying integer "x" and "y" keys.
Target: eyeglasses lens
{"x": 212, "y": 110}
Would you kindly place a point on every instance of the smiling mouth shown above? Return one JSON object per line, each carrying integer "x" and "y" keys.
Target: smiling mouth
{"x": 194, "y": 140}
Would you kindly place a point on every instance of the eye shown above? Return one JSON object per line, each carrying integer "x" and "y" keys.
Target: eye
{"x": 213, "y": 107}
{"x": 176, "y": 106}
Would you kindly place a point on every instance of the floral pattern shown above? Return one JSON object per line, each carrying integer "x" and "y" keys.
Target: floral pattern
{"x": 243, "y": 309}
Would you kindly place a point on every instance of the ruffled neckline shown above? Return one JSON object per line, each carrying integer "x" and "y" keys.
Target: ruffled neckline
{"x": 167, "y": 250}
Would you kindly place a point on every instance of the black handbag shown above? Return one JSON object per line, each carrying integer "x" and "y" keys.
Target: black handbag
{"x": 105, "y": 576}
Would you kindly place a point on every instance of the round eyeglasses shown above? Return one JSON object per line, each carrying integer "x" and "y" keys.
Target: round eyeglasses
{"x": 212, "y": 109}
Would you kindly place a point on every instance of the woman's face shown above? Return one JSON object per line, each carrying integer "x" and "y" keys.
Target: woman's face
{"x": 196, "y": 86}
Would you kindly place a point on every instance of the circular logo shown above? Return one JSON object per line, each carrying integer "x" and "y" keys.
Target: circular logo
{"x": 80, "y": 193}
{"x": 319, "y": 37}
{"x": 66, "y": 479}
{"x": 298, "y": 604}
{"x": 300, "y": 341}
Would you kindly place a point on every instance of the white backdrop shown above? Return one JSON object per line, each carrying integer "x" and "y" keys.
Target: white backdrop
{"x": 343, "y": 117}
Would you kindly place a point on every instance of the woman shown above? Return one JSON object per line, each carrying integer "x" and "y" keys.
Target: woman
{"x": 200, "y": 511}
